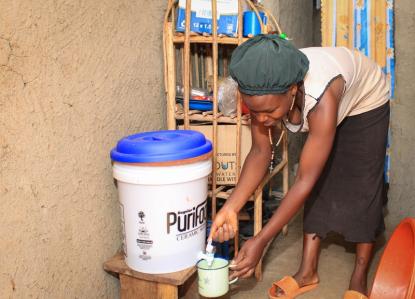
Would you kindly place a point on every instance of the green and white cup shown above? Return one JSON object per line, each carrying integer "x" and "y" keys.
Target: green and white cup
{"x": 214, "y": 280}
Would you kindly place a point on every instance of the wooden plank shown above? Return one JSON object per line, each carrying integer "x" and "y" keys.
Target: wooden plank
{"x": 166, "y": 21}
{"x": 238, "y": 123}
{"x": 189, "y": 290}
{"x": 199, "y": 116}
{"x": 215, "y": 101}
{"x": 281, "y": 165}
{"x": 186, "y": 54}
{"x": 133, "y": 288}
{"x": 117, "y": 265}
{"x": 285, "y": 172}
{"x": 171, "y": 77}
{"x": 202, "y": 39}
{"x": 258, "y": 227}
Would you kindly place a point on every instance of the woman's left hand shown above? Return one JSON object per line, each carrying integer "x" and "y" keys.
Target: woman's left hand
{"x": 243, "y": 265}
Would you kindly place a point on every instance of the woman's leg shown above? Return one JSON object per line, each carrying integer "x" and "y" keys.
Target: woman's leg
{"x": 358, "y": 281}
{"x": 307, "y": 274}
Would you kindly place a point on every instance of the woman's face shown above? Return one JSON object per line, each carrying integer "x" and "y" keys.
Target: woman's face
{"x": 270, "y": 108}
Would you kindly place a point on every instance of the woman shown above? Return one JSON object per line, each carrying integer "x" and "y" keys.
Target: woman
{"x": 340, "y": 98}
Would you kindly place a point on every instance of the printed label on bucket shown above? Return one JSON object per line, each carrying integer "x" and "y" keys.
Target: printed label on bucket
{"x": 144, "y": 241}
{"x": 165, "y": 224}
{"x": 187, "y": 223}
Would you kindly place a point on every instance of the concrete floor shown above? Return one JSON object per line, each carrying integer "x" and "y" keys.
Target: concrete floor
{"x": 283, "y": 257}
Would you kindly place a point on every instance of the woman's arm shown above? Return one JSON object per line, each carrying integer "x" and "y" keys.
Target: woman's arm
{"x": 322, "y": 124}
{"x": 254, "y": 168}
{"x": 225, "y": 224}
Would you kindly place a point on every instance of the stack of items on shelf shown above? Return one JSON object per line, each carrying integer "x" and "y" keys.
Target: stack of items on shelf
{"x": 201, "y": 99}
{"x": 227, "y": 10}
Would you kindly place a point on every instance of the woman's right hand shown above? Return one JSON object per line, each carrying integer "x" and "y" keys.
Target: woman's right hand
{"x": 225, "y": 225}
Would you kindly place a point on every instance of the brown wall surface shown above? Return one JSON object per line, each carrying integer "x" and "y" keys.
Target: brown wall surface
{"x": 75, "y": 76}
{"x": 402, "y": 188}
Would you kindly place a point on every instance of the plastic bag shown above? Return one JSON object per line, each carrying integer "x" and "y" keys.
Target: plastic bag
{"x": 227, "y": 96}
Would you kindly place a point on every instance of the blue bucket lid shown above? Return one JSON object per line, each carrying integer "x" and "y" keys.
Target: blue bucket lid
{"x": 161, "y": 146}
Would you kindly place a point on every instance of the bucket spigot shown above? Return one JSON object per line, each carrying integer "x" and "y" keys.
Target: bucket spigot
{"x": 209, "y": 254}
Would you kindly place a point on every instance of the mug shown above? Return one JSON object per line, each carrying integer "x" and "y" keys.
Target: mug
{"x": 214, "y": 280}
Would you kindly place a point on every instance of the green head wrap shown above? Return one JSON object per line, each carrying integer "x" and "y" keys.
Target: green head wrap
{"x": 267, "y": 64}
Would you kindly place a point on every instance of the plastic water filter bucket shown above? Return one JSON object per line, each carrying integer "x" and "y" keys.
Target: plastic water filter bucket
{"x": 162, "y": 180}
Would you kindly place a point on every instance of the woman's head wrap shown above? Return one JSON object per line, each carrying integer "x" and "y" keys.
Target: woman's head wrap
{"x": 267, "y": 64}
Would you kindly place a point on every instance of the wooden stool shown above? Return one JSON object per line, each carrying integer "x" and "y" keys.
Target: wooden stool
{"x": 137, "y": 285}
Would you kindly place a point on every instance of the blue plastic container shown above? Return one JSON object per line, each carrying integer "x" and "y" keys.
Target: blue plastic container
{"x": 251, "y": 24}
{"x": 161, "y": 146}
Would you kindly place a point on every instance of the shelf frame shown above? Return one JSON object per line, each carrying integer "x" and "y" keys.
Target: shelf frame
{"x": 187, "y": 40}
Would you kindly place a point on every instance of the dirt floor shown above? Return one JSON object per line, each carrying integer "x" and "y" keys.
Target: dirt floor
{"x": 335, "y": 266}
{"x": 283, "y": 257}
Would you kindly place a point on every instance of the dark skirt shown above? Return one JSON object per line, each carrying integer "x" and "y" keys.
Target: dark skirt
{"x": 349, "y": 195}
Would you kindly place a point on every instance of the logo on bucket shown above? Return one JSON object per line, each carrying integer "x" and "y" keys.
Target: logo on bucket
{"x": 187, "y": 222}
{"x": 141, "y": 215}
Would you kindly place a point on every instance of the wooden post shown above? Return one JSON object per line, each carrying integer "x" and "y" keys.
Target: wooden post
{"x": 215, "y": 101}
{"x": 132, "y": 288}
{"x": 285, "y": 172}
{"x": 171, "y": 75}
{"x": 258, "y": 225}
{"x": 138, "y": 285}
{"x": 186, "y": 53}
{"x": 238, "y": 120}
{"x": 166, "y": 20}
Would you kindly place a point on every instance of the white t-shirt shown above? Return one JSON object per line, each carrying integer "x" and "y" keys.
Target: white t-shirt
{"x": 366, "y": 87}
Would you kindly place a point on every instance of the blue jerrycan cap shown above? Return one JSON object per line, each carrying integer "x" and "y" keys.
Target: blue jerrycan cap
{"x": 161, "y": 146}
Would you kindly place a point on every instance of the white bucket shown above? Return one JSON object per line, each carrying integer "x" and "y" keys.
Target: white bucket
{"x": 163, "y": 213}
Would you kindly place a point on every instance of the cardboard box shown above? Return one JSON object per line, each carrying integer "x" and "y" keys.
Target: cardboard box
{"x": 226, "y": 151}
{"x": 201, "y": 16}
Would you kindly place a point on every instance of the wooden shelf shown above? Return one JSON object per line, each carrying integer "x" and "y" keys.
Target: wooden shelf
{"x": 225, "y": 194}
{"x": 194, "y": 38}
{"x": 117, "y": 264}
{"x": 195, "y": 66}
{"x": 196, "y": 115}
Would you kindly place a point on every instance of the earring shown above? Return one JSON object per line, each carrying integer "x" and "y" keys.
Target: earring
{"x": 292, "y": 104}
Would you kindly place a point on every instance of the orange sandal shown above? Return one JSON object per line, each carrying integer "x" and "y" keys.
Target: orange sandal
{"x": 350, "y": 294}
{"x": 290, "y": 287}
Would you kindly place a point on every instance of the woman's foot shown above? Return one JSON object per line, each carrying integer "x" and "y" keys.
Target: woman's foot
{"x": 358, "y": 283}
{"x": 302, "y": 280}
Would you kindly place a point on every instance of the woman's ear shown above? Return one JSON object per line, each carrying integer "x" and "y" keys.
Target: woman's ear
{"x": 293, "y": 89}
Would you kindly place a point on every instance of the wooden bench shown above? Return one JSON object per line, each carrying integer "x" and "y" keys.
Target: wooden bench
{"x": 137, "y": 285}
